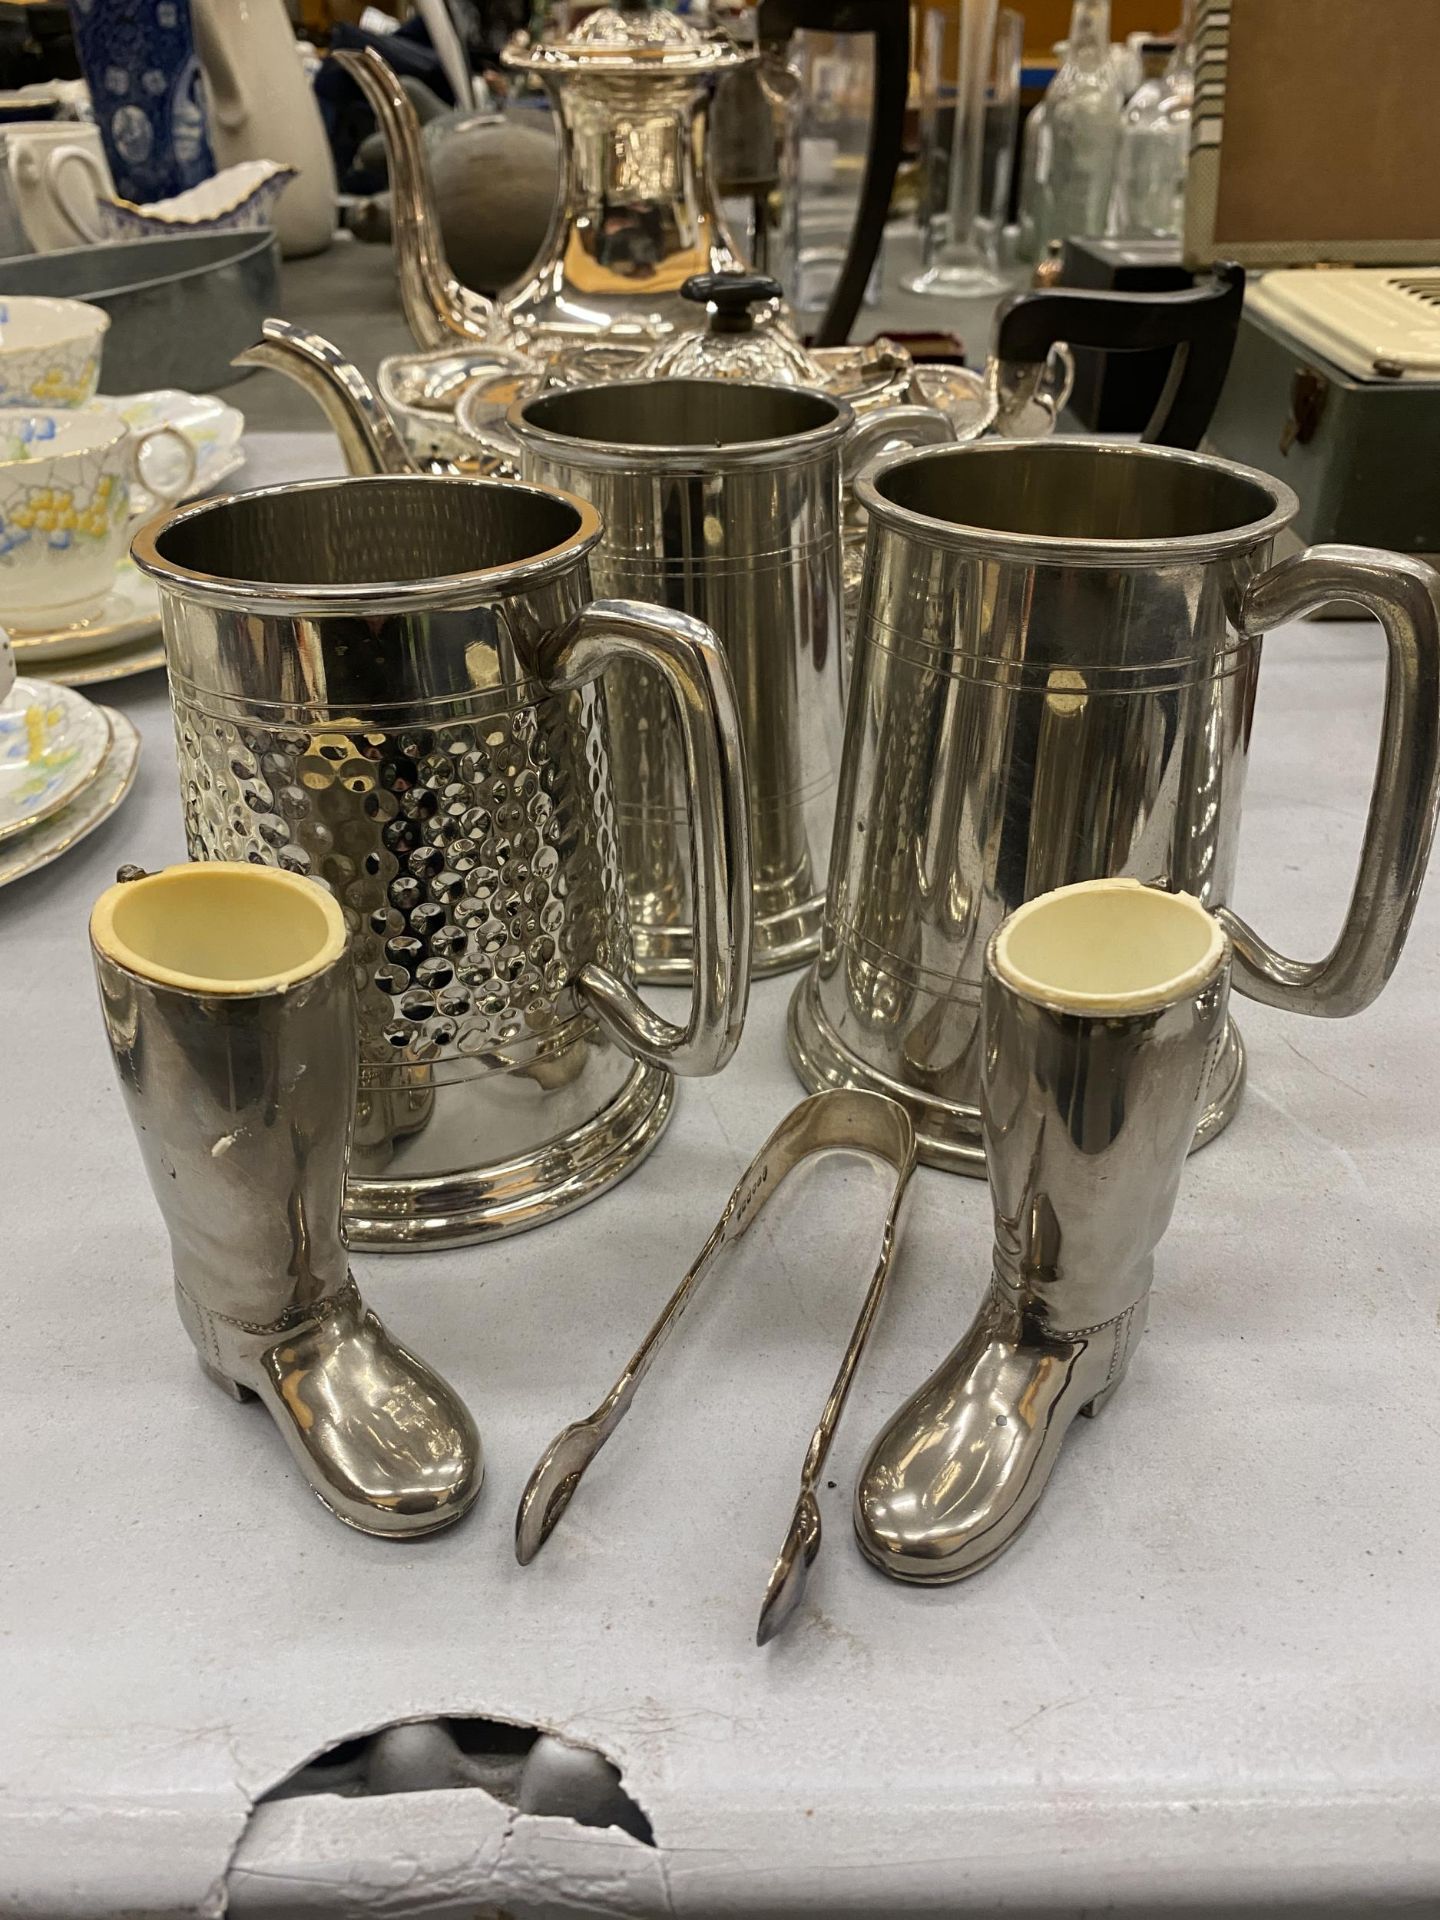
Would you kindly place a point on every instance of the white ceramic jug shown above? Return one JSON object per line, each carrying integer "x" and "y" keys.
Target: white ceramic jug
{"x": 262, "y": 107}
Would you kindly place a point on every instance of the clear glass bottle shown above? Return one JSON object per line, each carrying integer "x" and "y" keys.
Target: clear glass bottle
{"x": 1154, "y": 151}
{"x": 837, "y": 84}
{"x": 1129, "y": 62}
{"x": 1154, "y": 54}
{"x": 1034, "y": 176}
{"x": 1081, "y": 131}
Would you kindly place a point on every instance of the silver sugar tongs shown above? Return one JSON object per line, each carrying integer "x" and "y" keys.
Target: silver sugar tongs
{"x": 865, "y": 1123}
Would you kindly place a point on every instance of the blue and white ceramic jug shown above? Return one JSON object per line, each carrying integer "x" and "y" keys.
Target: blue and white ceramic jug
{"x": 139, "y": 59}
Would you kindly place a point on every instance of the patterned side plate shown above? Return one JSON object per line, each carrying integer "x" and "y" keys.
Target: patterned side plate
{"x": 115, "y": 663}
{"x": 131, "y": 613}
{"x": 52, "y": 741}
{"x": 30, "y": 851}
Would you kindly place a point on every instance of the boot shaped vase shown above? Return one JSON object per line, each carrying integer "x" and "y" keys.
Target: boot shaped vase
{"x": 230, "y": 1009}
{"x": 1103, "y": 1010}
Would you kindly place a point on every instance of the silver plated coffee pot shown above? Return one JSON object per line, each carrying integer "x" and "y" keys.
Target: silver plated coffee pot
{"x": 636, "y": 214}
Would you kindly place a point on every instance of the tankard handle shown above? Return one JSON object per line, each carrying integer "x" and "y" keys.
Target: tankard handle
{"x": 1404, "y": 596}
{"x": 905, "y": 426}
{"x": 688, "y": 656}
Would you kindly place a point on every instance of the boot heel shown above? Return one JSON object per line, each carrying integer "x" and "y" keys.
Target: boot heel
{"x": 227, "y": 1385}
{"x": 1127, "y": 1338}
{"x": 1103, "y": 1398}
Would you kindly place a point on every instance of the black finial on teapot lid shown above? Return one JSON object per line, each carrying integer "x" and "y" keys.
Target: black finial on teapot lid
{"x": 730, "y": 297}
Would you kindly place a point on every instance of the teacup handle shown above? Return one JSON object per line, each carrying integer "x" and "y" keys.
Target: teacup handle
{"x": 140, "y": 445}
{"x": 907, "y": 426}
{"x": 1404, "y": 596}
{"x": 692, "y": 663}
{"x": 77, "y": 211}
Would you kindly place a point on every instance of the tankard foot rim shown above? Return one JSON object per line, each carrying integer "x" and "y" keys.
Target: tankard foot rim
{"x": 947, "y": 1134}
{"x": 490, "y": 1202}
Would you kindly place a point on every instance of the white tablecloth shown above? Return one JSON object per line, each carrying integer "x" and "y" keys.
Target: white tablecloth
{"x": 1207, "y": 1676}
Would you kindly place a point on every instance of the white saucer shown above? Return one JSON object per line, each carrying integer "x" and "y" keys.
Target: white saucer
{"x": 72, "y": 736}
{"x": 28, "y": 852}
{"x": 145, "y": 655}
{"x": 131, "y": 613}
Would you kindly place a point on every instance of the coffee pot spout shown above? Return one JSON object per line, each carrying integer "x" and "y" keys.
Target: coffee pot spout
{"x": 438, "y": 308}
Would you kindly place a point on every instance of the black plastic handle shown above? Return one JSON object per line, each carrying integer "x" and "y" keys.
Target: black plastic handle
{"x": 1198, "y": 322}
{"x": 732, "y": 295}
{"x": 889, "y": 22}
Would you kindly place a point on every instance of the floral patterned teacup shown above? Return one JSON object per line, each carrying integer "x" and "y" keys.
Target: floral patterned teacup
{"x": 65, "y": 508}
{"x": 49, "y": 350}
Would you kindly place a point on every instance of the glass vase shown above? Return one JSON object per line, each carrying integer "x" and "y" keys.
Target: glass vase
{"x": 959, "y": 254}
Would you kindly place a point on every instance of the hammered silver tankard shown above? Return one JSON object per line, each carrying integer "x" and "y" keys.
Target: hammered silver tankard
{"x": 723, "y": 500}
{"x": 394, "y": 684}
{"x": 1054, "y": 680}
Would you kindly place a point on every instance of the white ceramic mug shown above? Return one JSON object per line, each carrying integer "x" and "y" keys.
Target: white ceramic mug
{"x": 65, "y": 515}
{"x": 57, "y": 174}
{"x": 49, "y": 350}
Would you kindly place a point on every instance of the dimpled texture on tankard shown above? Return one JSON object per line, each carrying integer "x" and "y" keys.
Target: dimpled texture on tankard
{"x": 476, "y": 863}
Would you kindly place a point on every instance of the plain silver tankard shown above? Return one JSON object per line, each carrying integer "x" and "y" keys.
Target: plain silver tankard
{"x": 394, "y": 684}
{"x": 722, "y": 499}
{"x": 1055, "y": 672}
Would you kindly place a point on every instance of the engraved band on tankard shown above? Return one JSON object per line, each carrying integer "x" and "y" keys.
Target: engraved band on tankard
{"x": 394, "y": 684}
{"x": 723, "y": 500}
{"x": 1056, "y": 660}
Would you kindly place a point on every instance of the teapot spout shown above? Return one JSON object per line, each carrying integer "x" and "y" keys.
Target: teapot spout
{"x": 438, "y": 309}
{"x": 369, "y": 438}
